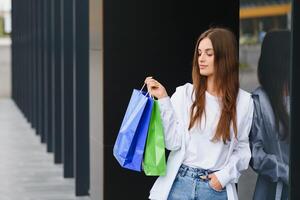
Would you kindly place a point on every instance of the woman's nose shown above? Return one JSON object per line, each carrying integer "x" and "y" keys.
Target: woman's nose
{"x": 202, "y": 58}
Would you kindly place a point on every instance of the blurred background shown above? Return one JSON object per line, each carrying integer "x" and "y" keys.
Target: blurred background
{"x": 5, "y": 42}
{"x": 257, "y": 17}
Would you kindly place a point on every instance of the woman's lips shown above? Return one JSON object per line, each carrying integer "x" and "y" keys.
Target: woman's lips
{"x": 203, "y": 66}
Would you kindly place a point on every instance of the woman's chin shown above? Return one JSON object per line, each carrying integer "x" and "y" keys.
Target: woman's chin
{"x": 204, "y": 74}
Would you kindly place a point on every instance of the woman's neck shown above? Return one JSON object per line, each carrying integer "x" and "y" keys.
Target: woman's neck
{"x": 211, "y": 86}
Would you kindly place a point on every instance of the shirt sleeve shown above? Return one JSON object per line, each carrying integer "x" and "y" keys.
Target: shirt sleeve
{"x": 172, "y": 118}
{"x": 264, "y": 163}
{"x": 240, "y": 157}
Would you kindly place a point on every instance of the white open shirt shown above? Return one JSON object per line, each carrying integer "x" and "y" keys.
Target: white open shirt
{"x": 175, "y": 114}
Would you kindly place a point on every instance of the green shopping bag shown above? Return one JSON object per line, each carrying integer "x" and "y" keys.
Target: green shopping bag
{"x": 154, "y": 157}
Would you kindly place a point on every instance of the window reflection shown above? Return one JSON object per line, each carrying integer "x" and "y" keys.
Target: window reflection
{"x": 269, "y": 136}
{"x": 265, "y": 72}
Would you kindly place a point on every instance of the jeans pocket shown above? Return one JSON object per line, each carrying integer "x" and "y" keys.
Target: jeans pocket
{"x": 218, "y": 191}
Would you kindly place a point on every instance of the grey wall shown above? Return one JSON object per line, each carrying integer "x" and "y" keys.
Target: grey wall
{"x": 96, "y": 99}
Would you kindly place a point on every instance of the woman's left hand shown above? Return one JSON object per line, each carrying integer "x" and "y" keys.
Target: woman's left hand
{"x": 214, "y": 182}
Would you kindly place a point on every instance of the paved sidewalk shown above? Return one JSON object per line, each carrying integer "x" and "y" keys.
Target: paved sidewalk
{"x": 5, "y": 41}
{"x": 27, "y": 171}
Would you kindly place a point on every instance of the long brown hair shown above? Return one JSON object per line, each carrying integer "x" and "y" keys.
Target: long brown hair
{"x": 226, "y": 71}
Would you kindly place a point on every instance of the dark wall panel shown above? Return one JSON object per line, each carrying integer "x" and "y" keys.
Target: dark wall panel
{"x": 50, "y": 54}
{"x": 49, "y": 74}
{"x": 41, "y": 72}
{"x": 144, "y": 38}
{"x": 45, "y": 71}
{"x": 153, "y": 38}
{"x": 81, "y": 120}
{"x": 57, "y": 85}
{"x": 68, "y": 88}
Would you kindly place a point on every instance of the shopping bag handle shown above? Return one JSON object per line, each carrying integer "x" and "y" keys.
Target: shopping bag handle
{"x": 142, "y": 87}
{"x": 147, "y": 91}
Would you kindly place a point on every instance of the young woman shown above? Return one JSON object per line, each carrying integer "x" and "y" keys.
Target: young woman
{"x": 206, "y": 124}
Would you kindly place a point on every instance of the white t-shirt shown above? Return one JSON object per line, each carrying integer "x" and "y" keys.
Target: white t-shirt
{"x": 201, "y": 151}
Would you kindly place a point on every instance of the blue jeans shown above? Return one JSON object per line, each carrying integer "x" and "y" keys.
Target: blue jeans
{"x": 189, "y": 186}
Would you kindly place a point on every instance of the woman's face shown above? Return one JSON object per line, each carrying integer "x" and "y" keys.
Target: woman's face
{"x": 206, "y": 57}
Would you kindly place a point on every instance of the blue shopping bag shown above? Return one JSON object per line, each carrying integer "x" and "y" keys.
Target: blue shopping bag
{"x": 131, "y": 139}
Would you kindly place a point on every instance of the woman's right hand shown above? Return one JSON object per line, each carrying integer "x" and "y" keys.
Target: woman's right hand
{"x": 155, "y": 88}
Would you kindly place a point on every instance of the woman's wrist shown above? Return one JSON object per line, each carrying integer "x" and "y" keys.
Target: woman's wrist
{"x": 162, "y": 96}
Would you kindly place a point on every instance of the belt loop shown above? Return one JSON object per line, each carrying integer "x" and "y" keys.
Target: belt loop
{"x": 206, "y": 173}
{"x": 185, "y": 169}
